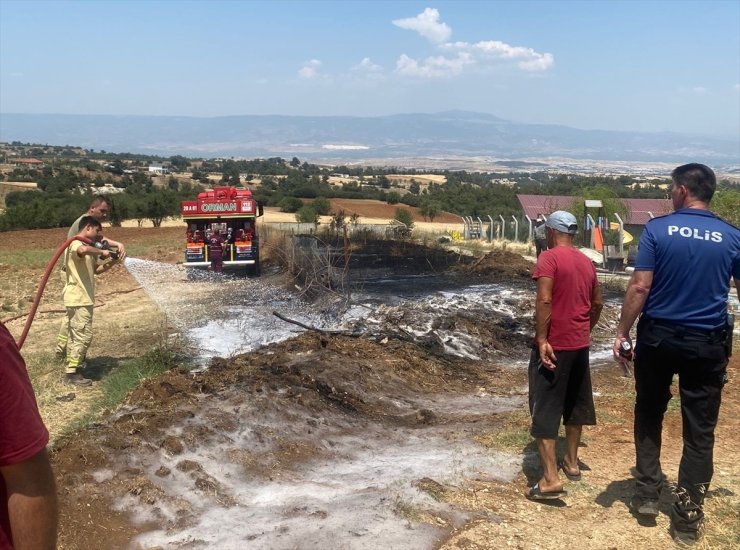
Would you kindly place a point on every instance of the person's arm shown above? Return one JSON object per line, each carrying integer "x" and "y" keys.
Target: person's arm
{"x": 634, "y": 300}
{"x": 542, "y": 316}
{"x": 87, "y": 250}
{"x": 32, "y": 503}
{"x": 597, "y": 304}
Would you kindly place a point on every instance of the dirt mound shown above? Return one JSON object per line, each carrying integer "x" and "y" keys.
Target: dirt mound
{"x": 317, "y": 384}
{"x": 500, "y": 266}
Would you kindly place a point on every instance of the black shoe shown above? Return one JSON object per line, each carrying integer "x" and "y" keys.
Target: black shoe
{"x": 644, "y": 506}
{"x": 77, "y": 379}
{"x": 687, "y": 519}
{"x": 686, "y": 538}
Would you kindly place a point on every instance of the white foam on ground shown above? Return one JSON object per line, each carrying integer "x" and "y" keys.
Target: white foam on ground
{"x": 359, "y": 495}
{"x": 356, "y": 491}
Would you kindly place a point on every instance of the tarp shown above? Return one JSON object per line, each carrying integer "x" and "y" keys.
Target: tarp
{"x": 592, "y": 255}
{"x": 628, "y": 238}
{"x": 598, "y": 239}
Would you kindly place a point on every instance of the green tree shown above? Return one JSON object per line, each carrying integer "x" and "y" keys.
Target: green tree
{"x": 159, "y": 205}
{"x": 384, "y": 182}
{"x": 179, "y": 163}
{"x": 306, "y": 214}
{"x": 405, "y": 217}
{"x": 393, "y": 198}
{"x": 290, "y": 204}
{"x": 414, "y": 187}
{"x": 726, "y": 204}
{"x": 321, "y": 206}
{"x": 429, "y": 209}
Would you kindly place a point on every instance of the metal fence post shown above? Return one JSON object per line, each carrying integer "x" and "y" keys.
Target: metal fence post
{"x": 621, "y": 234}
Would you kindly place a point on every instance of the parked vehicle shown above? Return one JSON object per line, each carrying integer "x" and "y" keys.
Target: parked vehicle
{"x": 233, "y": 214}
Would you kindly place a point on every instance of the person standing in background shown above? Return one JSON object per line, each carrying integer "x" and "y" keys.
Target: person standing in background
{"x": 540, "y": 238}
{"x": 98, "y": 209}
{"x": 216, "y": 246}
{"x": 680, "y": 285}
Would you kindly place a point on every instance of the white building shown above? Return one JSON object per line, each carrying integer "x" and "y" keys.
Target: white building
{"x": 158, "y": 168}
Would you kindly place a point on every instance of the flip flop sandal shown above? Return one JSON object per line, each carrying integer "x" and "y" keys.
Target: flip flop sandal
{"x": 571, "y": 477}
{"x": 534, "y": 493}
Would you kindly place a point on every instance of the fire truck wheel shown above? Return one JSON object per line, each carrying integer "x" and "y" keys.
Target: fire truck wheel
{"x": 253, "y": 270}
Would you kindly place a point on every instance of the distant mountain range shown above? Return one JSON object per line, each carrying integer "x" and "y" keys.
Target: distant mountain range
{"x": 452, "y": 133}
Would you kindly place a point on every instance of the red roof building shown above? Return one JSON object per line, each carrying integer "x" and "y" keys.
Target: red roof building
{"x": 639, "y": 210}
{"x": 29, "y": 162}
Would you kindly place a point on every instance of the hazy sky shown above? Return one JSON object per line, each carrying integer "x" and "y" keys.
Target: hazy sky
{"x": 615, "y": 65}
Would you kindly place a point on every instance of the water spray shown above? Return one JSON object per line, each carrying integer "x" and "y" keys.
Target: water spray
{"x": 62, "y": 247}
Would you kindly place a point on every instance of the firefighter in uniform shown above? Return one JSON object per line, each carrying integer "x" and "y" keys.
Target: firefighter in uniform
{"x": 681, "y": 285}
{"x": 98, "y": 209}
{"x": 216, "y": 246}
{"x": 79, "y": 296}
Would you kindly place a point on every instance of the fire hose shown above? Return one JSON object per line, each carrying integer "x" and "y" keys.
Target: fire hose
{"x": 62, "y": 247}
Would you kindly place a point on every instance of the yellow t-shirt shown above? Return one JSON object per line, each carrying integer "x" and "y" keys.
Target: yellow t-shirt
{"x": 80, "y": 287}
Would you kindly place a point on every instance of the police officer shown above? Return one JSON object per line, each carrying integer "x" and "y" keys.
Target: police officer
{"x": 680, "y": 284}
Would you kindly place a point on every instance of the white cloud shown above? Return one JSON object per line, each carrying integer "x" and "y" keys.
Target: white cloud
{"x": 699, "y": 90}
{"x": 367, "y": 66}
{"x": 261, "y": 81}
{"x": 310, "y": 69}
{"x": 433, "y": 67}
{"x": 736, "y": 87}
{"x": 541, "y": 62}
{"x": 17, "y": 75}
{"x": 427, "y": 25}
{"x": 493, "y": 50}
{"x": 484, "y": 53}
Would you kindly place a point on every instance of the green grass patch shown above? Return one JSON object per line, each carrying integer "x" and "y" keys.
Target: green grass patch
{"x": 28, "y": 259}
{"x": 115, "y": 386}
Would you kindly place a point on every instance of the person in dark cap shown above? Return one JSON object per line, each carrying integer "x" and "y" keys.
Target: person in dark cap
{"x": 679, "y": 288}
{"x": 568, "y": 306}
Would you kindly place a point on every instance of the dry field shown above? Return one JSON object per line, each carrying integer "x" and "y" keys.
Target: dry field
{"x": 307, "y": 371}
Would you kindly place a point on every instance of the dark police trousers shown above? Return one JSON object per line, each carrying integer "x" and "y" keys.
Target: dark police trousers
{"x": 700, "y": 360}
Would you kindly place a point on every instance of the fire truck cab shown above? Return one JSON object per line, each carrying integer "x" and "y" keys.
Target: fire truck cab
{"x": 231, "y": 212}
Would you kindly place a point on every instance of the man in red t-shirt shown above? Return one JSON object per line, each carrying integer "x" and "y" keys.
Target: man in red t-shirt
{"x": 568, "y": 306}
{"x": 28, "y": 505}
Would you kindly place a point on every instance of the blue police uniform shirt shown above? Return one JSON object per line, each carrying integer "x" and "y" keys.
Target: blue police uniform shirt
{"x": 692, "y": 254}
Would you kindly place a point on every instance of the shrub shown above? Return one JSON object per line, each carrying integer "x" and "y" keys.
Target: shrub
{"x": 290, "y": 204}
{"x": 307, "y": 214}
{"x": 405, "y": 217}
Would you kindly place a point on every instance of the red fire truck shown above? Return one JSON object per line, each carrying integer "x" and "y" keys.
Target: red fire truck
{"x": 233, "y": 213}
